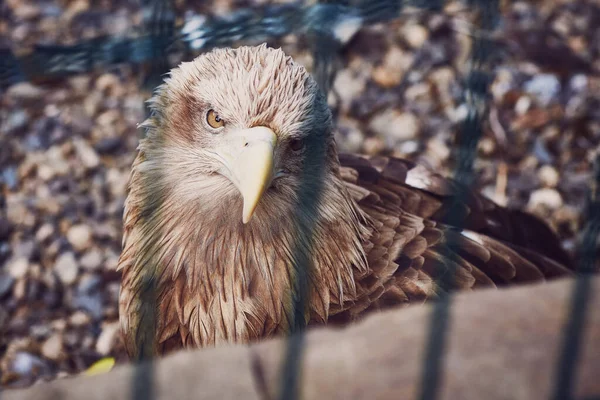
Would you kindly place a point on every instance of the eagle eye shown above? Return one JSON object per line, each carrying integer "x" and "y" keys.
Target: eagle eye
{"x": 297, "y": 144}
{"x": 214, "y": 120}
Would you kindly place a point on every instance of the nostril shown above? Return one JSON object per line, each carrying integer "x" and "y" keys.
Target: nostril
{"x": 246, "y": 144}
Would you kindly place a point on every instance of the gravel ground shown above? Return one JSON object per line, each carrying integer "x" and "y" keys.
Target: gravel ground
{"x": 66, "y": 149}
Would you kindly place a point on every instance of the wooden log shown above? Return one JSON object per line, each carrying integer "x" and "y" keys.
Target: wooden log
{"x": 500, "y": 344}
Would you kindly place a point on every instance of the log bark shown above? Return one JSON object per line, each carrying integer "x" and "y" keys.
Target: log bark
{"x": 500, "y": 344}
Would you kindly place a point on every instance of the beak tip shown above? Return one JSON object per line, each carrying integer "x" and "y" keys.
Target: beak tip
{"x": 247, "y": 215}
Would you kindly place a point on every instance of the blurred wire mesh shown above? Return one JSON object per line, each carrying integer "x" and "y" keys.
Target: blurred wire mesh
{"x": 327, "y": 28}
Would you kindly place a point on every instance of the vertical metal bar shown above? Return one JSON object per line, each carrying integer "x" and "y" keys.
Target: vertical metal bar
{"x": 476, "y": 90}
{"x": 325, "y": 50}
{"x": 566, "y": 367}
{"x": 160, "y": 27}
{"x": 310, "y": 191}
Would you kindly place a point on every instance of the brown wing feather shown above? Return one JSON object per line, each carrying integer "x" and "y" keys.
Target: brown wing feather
{"x": 436, "y": 194}
{"x": 412, "y": 250}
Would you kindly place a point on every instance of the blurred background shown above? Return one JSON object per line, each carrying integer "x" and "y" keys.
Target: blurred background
{"x": 67, "y": 144}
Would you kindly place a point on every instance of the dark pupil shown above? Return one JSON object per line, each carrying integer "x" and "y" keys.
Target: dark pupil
{"x": 297, "y": 144}
{"x": 217, "y": 118}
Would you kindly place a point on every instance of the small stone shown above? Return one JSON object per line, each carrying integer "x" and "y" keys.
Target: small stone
{"x": 53, "y": 165}
{"x": 108, "y": 145}
{"x": 415, "y": 35}
{"x": 544, "y": 87}
{"x": 522, "y": 105}
{"x": 419, "y": 93}
{"x": 15, "y": 121}
{"x": 578, "y": 83}
{"x": 408, "y": 147}
{"x": 91, "y": 304}
{"x": 438, "y": 149}
{"x": 43, "y": 192}
{"x": 567, "y": 216}
{"x": 491, "y": 193}
{"x": 459, "y": 114}
{"x": 487, "y": 146}
{"x": 443, "y": 77}
{"x": 349, "y": 136}
{"x": 107, "y": 82}
{"x": 25, "y": 91}
{"x": 79, "y": 318}
{"x": 80, "y": 84}
{"x": 66, "y": 268}
{"x": 5, "y": 228}
{"x": 6, "y": 283}
{"x": 108, "y": 119}
{"x": 27, "y": 11}
{"x": 86, "y": 154}
{"x": 120, "y": 24}
{"x": 540, "y": 150}
{"x": 394, "y": 126}
{"x": 45, "y": 232}
{"x": 548, "y": 176}
{"x": 59, "y": 325}
{"x": 92, "y": 103}
{"x": 112, "y": 261}
{"x": 502, "y": 85}
{"x": 80, "y": 236}
{"x": 88, "y": 342}
{"x": 51, "y": 111}
{"x": 88, "y": 284}
{"x": 10, "y": 177}
{"x": 54, "y": 248}
{"x": 62, "y": 375}
{"x": 107, "y": 338}
{"x": 92, "y": 259}
{"x": 18, "y": 214}
{"x": 18, "y": 267}
{"x": 546, "y": 197}
{"x": 80, "y": 122}
{"x": 395, "y": 63}
{"x": 106, "y": 231}
{"x": 117, "y": 181}
{"x": 26, "y": 364}
{"x": 4, "y": 251}
{"x": 45, "y": 172}
{"x": 52, "y": 348}
{"x": 72, "y": 339}
{"x": 113, "y": 289}
{"x": 20, "y": 289}
{"x": 35, "y": 271}
{"x": 385, "y": 78}
{"x": 348, "y": 85}
{"x": 373, "y": 145}
{"x": 75, "y": 8}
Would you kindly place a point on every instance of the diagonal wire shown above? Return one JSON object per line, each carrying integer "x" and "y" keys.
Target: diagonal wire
{"x": 160, "y": 25}
{"x": 198, "y": 34}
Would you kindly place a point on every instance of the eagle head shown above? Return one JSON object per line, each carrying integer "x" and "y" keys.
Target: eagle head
{"x": 240, "y": 132}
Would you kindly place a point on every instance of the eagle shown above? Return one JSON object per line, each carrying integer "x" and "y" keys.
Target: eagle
{"x": 238, "y": 204}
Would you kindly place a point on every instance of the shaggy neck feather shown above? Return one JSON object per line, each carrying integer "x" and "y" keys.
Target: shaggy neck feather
{"x": 234, "y": 274}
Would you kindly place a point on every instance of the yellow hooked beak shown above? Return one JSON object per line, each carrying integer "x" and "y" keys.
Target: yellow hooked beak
{"x": 248, "y": 155}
